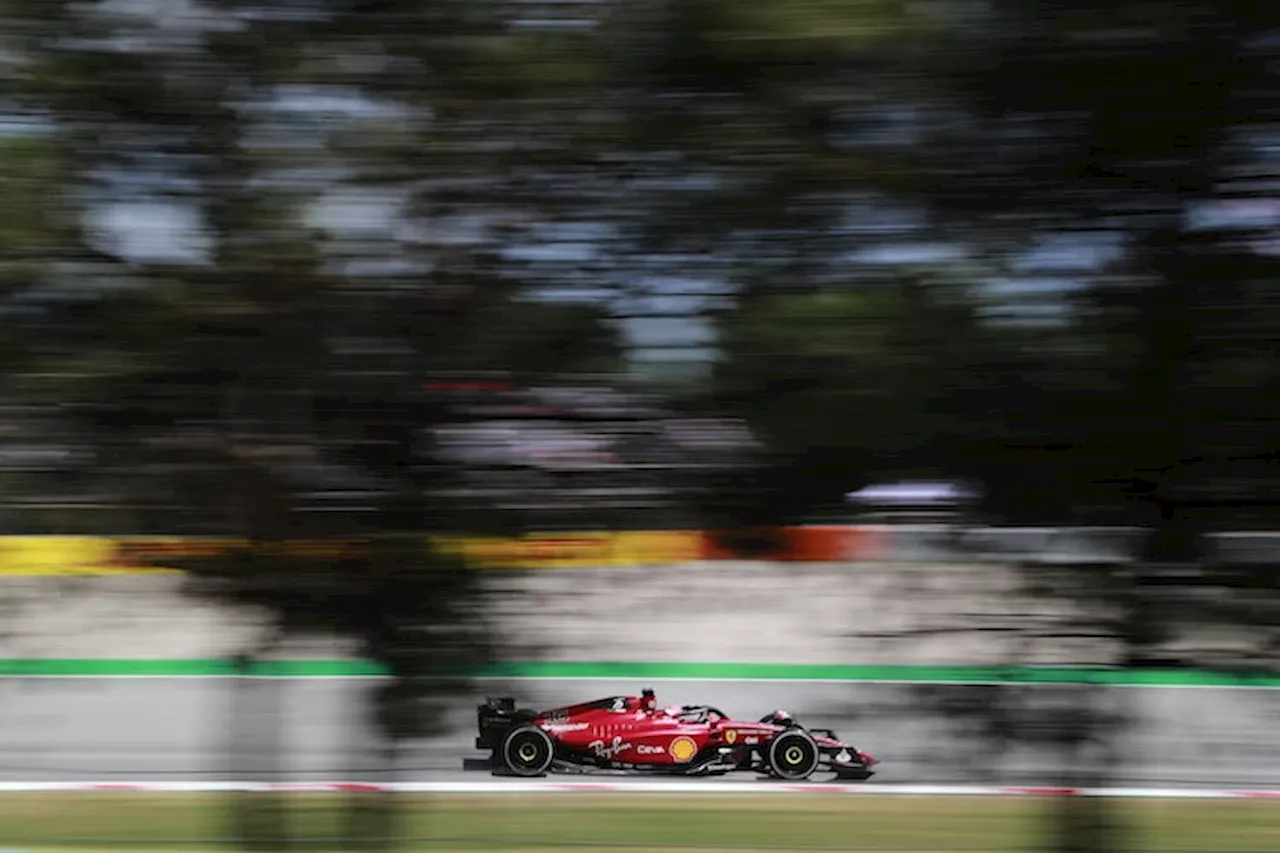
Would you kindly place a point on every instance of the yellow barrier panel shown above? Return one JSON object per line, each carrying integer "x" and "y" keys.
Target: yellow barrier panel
{"x": 647, "y": 548}
{"x": 95, "y": 555}
{"x": 579, "y": 550}
{"x": 153, "y": 550}
{"x": 65, "y": 555}
{"x": 547, "y": 551}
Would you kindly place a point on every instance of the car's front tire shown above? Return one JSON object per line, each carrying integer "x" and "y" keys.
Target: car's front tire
{"x": 527, "y": 751}
{"x": 793, "y": 756}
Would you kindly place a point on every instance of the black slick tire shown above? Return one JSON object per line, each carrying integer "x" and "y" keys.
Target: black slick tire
{"x": 793, "y": 756}
{"x": 527, "y": 751}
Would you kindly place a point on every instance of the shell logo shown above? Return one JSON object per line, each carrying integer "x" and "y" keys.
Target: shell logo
{"x": 730, "y": 737}
{"x": 683, "y": 748}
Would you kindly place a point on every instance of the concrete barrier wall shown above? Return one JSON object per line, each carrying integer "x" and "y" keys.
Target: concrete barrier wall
{"x": 167, "y": 729}
{"x": 740, "y": 611}
{"x": 127, "y": 617}
{"x": 889, "y": 613}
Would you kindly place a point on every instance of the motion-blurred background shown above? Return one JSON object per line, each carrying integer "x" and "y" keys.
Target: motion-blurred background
{"x": 929, "y": 334}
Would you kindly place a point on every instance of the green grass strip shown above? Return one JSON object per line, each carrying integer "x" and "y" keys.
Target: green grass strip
{"x": 621, "y": 823}
{"x": 630, "y": 671}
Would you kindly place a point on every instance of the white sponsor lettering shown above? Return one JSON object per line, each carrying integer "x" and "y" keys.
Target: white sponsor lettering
{"x": 751, "y": 740}
{"x": 646, "y": 749}
{"x": 561, "y": 728}
{"x": 611, "y": 751}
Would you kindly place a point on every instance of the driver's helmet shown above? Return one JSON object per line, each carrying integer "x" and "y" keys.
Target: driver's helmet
{"x": 781, "y": 718}
{"x": 648, "y": 701}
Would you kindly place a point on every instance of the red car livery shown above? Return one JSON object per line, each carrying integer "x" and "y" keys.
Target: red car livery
{"x": 630, "y": 733}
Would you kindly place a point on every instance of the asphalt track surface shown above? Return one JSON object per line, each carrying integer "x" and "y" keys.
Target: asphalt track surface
{"x": 175, "y": 730}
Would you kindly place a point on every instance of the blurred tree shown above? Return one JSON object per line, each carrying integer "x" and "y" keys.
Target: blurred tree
{"x": 531, "y": 339}
{"x": 268, "y": 225}
{"x": 895, "y": 375}
{"x": 768, "y": 154}
{"x": 1028, "y": 131}
{"x": 1145, "y": 127}
{"x": 368, "y": 187}
{"x": 1140, "y": 121}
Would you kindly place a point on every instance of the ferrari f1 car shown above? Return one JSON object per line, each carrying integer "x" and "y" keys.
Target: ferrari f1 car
{"x": 631, "y": 734}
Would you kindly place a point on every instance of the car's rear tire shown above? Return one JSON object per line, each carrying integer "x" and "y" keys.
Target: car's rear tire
{"x": 793, "y": 756}
{"x": 527, "y": 751}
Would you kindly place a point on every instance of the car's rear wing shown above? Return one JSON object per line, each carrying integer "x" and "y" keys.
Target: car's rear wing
{"x": 494, "y": 718}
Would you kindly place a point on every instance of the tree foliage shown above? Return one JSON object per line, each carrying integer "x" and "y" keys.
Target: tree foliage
{"x": 981, "y": 240}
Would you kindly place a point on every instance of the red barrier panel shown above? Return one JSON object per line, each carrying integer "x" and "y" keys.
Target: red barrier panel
{"x": 833, "y": 543}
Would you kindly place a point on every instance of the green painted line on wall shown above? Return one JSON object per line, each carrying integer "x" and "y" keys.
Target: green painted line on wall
{"x": 639, "y": 672}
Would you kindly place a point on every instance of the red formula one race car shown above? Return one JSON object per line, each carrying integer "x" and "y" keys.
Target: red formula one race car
{"x": 631, "y": 734}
